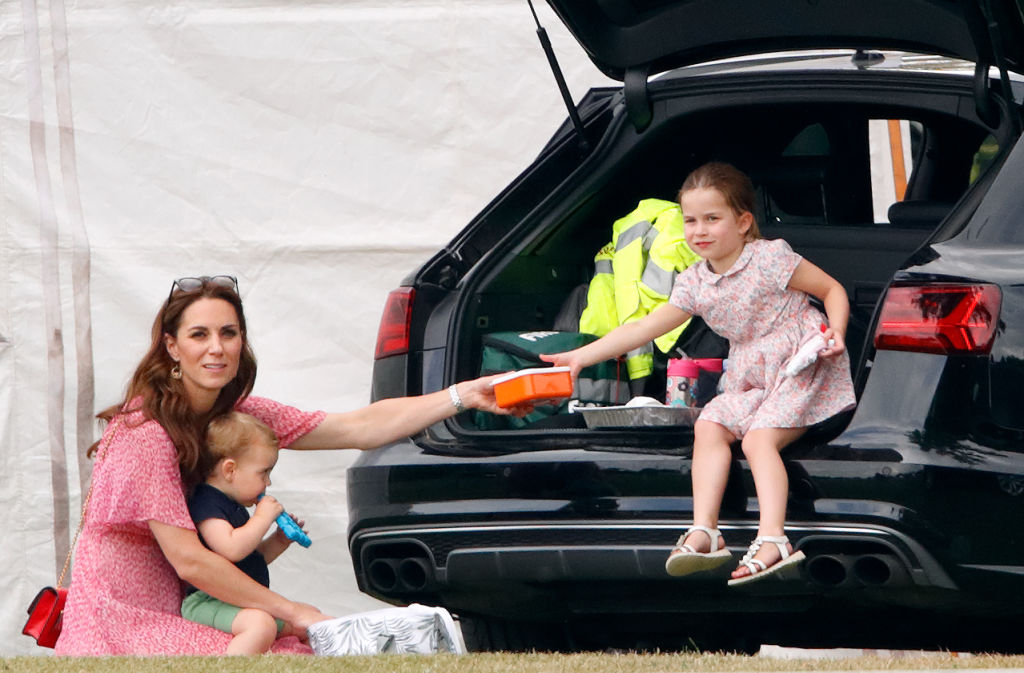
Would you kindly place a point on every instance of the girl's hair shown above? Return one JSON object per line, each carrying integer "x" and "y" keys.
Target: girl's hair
{"x": 230, "y": 436}
{"x": 732, "y": 183}
{"x": 163, "y": 399}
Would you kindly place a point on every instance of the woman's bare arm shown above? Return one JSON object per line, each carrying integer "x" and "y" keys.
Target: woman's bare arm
{"x": 389, "y": 420}
{"x": 214, "y": 574}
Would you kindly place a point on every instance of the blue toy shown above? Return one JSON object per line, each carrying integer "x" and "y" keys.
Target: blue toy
{"x": 291, "y": 529}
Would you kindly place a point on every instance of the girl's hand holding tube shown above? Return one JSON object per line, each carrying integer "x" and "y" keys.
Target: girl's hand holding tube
{"x": 835, "y": 344}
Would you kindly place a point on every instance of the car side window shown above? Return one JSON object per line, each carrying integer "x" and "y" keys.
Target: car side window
{"x": 983, "y": 158}
{"x": 894, "y": 145}
{"x": 791, "y": 187}
{"x": 868, "y": 172}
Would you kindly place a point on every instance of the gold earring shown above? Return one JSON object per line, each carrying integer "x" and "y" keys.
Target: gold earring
{"x": 176, "y": 371}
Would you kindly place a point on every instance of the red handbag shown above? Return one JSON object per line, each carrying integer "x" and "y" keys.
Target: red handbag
{"x": 45, "y": 616}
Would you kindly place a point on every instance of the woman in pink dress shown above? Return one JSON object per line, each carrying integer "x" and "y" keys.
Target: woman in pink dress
{"x": 138, "y": 542}
{"x": 755, "y": 293}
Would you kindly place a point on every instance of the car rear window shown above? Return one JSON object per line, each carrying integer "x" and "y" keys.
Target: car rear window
{"x": 998, "y": 218}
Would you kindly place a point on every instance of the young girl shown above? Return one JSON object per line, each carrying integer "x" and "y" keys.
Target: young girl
{"x": 755, "y": 293}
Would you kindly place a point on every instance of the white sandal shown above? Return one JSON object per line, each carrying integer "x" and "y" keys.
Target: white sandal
{"x": 758, "y": 568}
{"x": 684, "y": 559}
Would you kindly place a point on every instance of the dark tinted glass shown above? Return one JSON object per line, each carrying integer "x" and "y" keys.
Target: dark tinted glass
{"x": 1000, "y": 218}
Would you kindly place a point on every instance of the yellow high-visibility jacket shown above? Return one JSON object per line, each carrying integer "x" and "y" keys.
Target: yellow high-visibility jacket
{"x": 634, "y": 274}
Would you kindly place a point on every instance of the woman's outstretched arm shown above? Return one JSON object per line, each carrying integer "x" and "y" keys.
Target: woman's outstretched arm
{"x": 389, "y": 420}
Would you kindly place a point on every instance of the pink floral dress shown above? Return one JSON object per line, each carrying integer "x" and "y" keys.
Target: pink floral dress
{"x": 765, "y": 323}
{"x": 125, "y": 597}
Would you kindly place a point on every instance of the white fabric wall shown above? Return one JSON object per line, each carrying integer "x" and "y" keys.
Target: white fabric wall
{"x": 318, "y": 150}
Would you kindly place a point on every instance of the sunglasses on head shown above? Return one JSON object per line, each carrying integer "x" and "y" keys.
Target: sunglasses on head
{"x": 193, "y": 283}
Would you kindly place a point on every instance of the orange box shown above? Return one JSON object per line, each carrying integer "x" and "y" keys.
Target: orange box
{"x": 543, "y": 383}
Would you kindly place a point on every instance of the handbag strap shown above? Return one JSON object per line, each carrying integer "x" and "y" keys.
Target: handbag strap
{"x": 101, "y": 453}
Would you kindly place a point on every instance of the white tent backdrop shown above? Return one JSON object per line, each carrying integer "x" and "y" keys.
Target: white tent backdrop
{"x": 317, "y": 150}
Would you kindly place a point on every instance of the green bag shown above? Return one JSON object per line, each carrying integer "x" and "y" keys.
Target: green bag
{"x": 601, "y": 385}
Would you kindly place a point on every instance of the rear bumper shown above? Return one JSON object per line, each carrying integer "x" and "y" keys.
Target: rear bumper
{"x": 571, "y": 537}
{"x": 477, "y": 559}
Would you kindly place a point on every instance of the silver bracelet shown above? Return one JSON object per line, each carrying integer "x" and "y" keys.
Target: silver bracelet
{"x": 453, "y": 393}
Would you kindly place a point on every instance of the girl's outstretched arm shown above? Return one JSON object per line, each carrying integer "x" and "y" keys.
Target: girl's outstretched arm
{"x": 621, "y": 340}
{"x": 811, "y": 279}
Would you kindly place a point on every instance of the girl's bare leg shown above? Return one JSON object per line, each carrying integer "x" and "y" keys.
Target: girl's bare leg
{"x": 762, "y": 449}
{"x": 709, "y": 472}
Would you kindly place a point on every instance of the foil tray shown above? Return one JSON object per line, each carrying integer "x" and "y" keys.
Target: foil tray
{"x": 638, "y": 417}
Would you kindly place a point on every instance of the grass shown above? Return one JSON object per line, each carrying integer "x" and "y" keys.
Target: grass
{"x": 506, "y": 663}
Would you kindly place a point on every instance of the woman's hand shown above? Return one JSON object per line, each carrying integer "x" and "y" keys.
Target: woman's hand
{"x": 302, "y": 615}
{"x": 479, "y": 394}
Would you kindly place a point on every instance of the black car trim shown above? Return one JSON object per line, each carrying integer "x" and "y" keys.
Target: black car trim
{"x": 1012, "y": 570}
{"x": 624, "y": 35}
{"x": 804, "y": 533}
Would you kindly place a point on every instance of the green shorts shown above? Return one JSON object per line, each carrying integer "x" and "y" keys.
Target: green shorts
{"x": 202, "y": 608}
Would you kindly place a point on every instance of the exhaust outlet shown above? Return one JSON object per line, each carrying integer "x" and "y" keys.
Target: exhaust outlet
{"x": 382, "y": 574}
{"x": 861, "y": 570}
{"x": 827, "y": 570}
{"x": 880, "y": 569}
{"x": 415, "y": 574}
{"x": 872, "y": 570}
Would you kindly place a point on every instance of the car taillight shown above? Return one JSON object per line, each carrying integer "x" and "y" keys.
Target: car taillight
{"x": 950, "y": 319}
{"x": 393, "y": 334}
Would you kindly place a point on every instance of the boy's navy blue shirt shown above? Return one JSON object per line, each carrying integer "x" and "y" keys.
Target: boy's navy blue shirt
{"x": 207, "y": 502}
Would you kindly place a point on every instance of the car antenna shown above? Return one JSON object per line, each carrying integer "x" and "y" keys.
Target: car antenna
{"x": 574, "y": 114}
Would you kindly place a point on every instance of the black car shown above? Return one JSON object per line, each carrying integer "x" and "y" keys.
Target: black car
{"x": 553, "y": 535}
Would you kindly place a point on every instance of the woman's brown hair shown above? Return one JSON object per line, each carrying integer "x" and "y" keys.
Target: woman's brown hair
{"x": 163, "y": 398}
{"x": 732, "y": 183}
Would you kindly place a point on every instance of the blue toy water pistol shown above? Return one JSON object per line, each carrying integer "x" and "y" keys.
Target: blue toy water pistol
{"x": 291, "y": 529}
